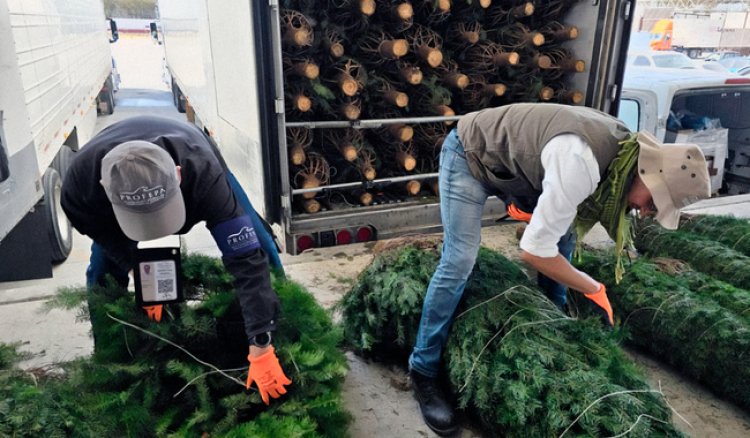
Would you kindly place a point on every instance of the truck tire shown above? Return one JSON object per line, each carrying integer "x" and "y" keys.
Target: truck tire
{"x": 106, "y": 98}
{"x": 60, "y": 231}
{"x": 62, "y": 161}
{"x": 178, "y": 98}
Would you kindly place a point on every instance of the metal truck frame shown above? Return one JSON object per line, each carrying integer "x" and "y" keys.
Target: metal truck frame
{"x": 225, "y": 63}
{"x": 55, "y": 75}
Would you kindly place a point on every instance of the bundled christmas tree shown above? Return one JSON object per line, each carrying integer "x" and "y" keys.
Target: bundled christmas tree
{"x": 730, "y": 231}
{"x": 698, "y": 324}
{"x": 703, "y": 253}
{"x": 515, "y": 362}
{"x": 185, "y": 375}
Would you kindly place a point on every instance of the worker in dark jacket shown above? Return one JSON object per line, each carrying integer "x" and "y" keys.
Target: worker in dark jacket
{"x": 563, "y": 164}
{"x": 148, "y": 177}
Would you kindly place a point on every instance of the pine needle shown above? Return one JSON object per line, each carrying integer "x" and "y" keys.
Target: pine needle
{"x": 146, "y": 332}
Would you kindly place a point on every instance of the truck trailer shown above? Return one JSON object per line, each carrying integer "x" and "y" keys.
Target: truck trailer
{"x": 700, "y": 33}
{"x": 55, "y": 75}
{"x": 247, "y": 71}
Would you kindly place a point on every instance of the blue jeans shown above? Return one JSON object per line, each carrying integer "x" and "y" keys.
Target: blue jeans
{"x": 462, "y": 199}
{"x": 100, "y": 265}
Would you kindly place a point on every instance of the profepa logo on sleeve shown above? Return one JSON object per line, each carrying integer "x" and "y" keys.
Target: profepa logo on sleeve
{"x": 142, "y": 183}
{"x": 236, "y": 236}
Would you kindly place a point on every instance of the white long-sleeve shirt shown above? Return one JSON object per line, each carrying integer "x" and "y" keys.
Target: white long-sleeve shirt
{"x": 571, "y": 174}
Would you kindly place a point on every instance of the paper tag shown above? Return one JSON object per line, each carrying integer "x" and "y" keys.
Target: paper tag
{"x": 158, "y": 281}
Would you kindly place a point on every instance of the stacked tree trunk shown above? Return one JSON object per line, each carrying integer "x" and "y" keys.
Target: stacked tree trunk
{"x": 346, "y": 60}
{"x": 517, "y": 364}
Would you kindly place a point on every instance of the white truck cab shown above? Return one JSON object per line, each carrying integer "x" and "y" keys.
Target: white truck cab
{"x": 710, "y": 109}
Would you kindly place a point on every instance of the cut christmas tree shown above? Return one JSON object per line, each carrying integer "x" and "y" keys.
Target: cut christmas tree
{"x": 185, "y": 375}
{"x": 516, "y": 363}
{"x": 696, "y": 323}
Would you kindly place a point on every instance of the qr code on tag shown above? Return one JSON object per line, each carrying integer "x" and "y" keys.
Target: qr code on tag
{"x": 165, "y": 287}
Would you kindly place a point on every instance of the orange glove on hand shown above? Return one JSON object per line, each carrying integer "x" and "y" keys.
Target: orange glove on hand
{"x": 518, "y": 214}
{"x": 266, "y": 372}
{"x": 603, "y": 307}
{"x": 154, "y": 312}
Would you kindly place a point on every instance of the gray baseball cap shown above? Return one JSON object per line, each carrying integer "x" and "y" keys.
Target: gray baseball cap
{"x": 141, "y": 181}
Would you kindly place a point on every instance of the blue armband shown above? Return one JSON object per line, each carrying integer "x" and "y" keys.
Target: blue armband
{"x": 236, "y": 236}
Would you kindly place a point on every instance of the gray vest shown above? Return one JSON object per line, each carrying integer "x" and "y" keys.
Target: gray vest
{"x": 504, "y": 145}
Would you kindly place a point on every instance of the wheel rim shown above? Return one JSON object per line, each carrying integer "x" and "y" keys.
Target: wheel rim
{"x": 63, "y": 224}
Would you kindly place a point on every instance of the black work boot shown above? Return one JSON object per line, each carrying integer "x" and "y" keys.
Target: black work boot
{"x": 436, "y": 410}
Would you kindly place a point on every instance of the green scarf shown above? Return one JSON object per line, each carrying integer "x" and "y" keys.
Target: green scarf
{"x": 609, "y": 203}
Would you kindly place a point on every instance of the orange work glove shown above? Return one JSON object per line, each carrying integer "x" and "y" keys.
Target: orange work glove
{"x": 266, "y": 372}
{"x": 518, "y": 214}
{"x": 154, "y": 312}
{"x": 603, "y": 307}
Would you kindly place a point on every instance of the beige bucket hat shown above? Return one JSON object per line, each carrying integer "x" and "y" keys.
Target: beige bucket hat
{"x": 675, "y": 174}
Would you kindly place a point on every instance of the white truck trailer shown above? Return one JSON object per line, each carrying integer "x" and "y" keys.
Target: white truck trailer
{"x": 225, "y": 62}
{"x": 55, "y": 75}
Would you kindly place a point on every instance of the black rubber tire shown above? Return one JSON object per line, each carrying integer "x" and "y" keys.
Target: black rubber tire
{"x": 178, "y": 98}
{"x": 62, "y": 161}
{"x": 60, "y": 231}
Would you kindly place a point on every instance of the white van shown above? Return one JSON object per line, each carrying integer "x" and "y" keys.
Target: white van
{"x": 694, "y": 106}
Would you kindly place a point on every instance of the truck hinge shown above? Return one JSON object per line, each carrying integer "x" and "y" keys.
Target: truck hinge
{"x": 273, "y": 3}
{"x": 613, "y": 92}
{"x": 279, "y": 106}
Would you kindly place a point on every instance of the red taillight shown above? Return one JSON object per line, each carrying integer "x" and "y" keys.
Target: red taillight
{"x": 305, "y": 242}
{"x": 364, "y": 234}
{"x": 731, "y": 81}
{"x": 343, "y": 237}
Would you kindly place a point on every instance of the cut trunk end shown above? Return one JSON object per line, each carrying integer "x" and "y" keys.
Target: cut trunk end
{"x": 457, "y": 80}
{"x": 543, "y": 61}
{"x": 507, "y": 58}
{"x": 397, "y": 98}
{"x": 336, "y": 50}
{"x": 297, "y": 155}
{"x": 404, "y": 11}
{"x": 433, "y": 56}
{"x": 546, "y": 94}
{"x": 302, "y": 103}
{"x": 311, "y": 206}
{"x": 367, "y": 7}
{"x": 413, "y": 188}
{"x": 348, "y": 85}
{"x": 350, "y": 111}
{"x": 310, "y": 181}
{"x": 307, "y": 70}
{"x": 412, "y": 75}
{"x": 349, "y": 152}
{"x": 470, "y": 37}
{"x": 401, "y": 132}
{"x": 495, "y": 90}
{"x": 365, "y": 198}
{"x": 300, "y": 37}
{"x": 406, "y": 161}
{"x": 525, "y": 10}
{"x": 445, "y": 111}
{"x": 369, "y": 173}
{"x": 485, "y": 3}
{"x": 393, "y": 49}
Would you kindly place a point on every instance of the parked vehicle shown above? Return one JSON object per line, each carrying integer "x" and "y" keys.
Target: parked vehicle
{"x": 735, "y": 63}
{"x": 698, "y": 32}
{"x": 225, "y": 64}
{"x": 55, "y": 75}
{"x": 669, "y": 59}
{"x": 684, "y": 105}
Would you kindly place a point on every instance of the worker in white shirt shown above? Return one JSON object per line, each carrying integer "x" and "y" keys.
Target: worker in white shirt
{"x": 563, "y": 164}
